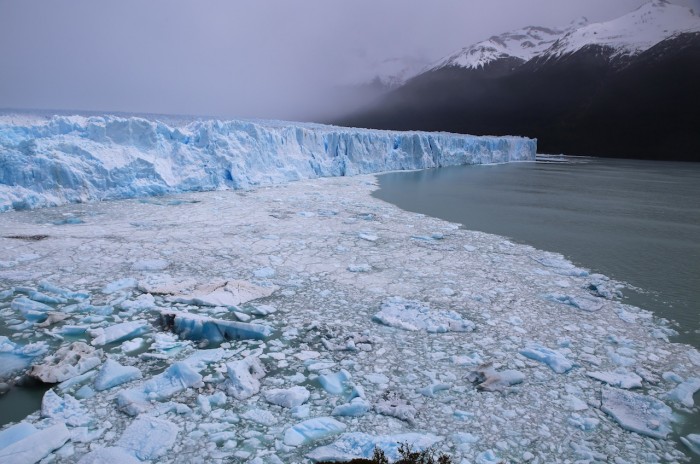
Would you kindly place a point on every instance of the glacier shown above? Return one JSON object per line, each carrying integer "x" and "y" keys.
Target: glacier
{"x": 69, "y": 159}
{"x": 235, "y": 326}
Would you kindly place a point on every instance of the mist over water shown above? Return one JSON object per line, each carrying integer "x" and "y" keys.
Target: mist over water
{"x": 634, "y": 221}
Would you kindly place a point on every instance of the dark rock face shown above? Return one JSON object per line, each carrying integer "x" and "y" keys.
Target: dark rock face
{"x": 590, "y": 102}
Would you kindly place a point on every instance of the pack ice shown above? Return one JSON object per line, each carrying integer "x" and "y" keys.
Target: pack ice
{"x": 307, "y": 321}
{"x": 77, "y": 159}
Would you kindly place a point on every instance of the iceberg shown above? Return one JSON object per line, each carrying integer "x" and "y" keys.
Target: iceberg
{"x": 78, "y": 159}
{"x": 358, "y": 445}
{"x": 67, "y": 362}
{"x": 36, "y": 446}
{"x": 118, "y": 332}
{"x": 14, "y": 357}
{"x": 149, "y": 437}
{"x": 414, "y": 316}
{"x": 289, "y": 398}
{"x": 311, "y": 430}
{"x": 112, "y": 374}
{"x": 637, "y": 413}
{"x": 244, "y": 377}
{"x": 683, "y": 393}
{"x": 554, "y": 359}
{"x": 192, "y": 326}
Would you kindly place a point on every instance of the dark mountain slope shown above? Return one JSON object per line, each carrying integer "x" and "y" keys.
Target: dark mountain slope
{"x": 590, "y": 102}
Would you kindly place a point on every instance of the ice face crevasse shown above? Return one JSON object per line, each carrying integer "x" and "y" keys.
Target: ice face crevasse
{"x": 77, "y": 159}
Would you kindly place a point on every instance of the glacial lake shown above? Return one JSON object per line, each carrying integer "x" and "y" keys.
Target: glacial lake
{"x": 634, "y": 221}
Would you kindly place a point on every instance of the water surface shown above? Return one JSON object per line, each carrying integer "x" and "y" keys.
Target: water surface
{"x": 634, "y": 221}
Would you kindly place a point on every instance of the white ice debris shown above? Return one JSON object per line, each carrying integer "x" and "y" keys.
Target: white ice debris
{"x": 357, "y": 445}
{"x": 67, "y": 362}
{"x": 148, "y": 437}
{"x": 244, "y": 377}
{"x": 638, "y": 413}
{"x": 109, "y": 455}
{"x": 118, "y": 332}
{"x": 287, "y": 398}
{"x": 65, "y": 409}
{"x": 620, "y": 378}
{"x": 311, "y": 430}
{"x": 414, "y": 315}
{"x": 36, "y": 446}
{"x": 684, "y": 391}
{"x": 229, "y": 293}
{"x": 204, "y": 394}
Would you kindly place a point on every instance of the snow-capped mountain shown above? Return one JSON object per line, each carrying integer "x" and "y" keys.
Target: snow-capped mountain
{"x": 524, "y": 44}
{"x": 632, "y": 33}
{"x": 623, "y": 88}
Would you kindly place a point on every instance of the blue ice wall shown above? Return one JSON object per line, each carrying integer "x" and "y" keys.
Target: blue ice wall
{"x": 77, "y": 159}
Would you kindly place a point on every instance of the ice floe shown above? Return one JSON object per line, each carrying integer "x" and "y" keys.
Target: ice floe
{"x": 636, "y": 412}
{"x": 414, "y": 315}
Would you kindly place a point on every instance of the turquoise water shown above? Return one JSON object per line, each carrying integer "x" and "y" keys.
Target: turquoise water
{"x": 634, "y": 221}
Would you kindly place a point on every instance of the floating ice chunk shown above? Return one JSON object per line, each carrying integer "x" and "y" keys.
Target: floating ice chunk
{"x": 584, "y": 423}
{"x": 487, "y": 379}
{"x": 244, "y": 377}
{"x": 561, "y": 266}
{"x": 572, "y": 403}
{"x": 35, "y": 447}
{"x": 52, "y": 318}
{"x": 694, "y": 356}
{"x": 357, "y": 445}
{"x": 168, "y": 344}
{"x": 197, "y": 327}
{"x": 109, "y": 455}
{"x": 65, "y": 293}
{"x": 472, "y": 359}
{"x": 30, "y": 309}
{"x": 356, "y": 407}
{"x": 174, "y": 379}
{"x": 311, "y": 430}
{"x": 224, "y": 293}
{"x": 359, "y": 267}
{"x": 620, "y": 378}
{"x": 394, "y": 405}
{"x": 554, "y": 359}
{"x": 130, "y": 346}
{"x": 287, "y": 398}
{"x": 260, "y": 416}
{"x": 67, "y": 362}
{"x": 150, "y": 265}
{"x": 48, "y": 299}
{"x": 14, "y": 357}
{"x": 119, "y": 332}
{"x": 118, "y": 285}
{"x": 413, "y": 315}
{"x": 112, "y": 374}
{"x": 141, "y": 303}
{"x": 692, "y": 441}
{"x": 488, "y": 457}
{"x": 637, "y": 413}
{"x": 583, "y": 303}
{"x": 15, "y": 433}
{"x": 66, "y": 409}
{"x": 683, "y": 393}
{"x": 260, "y": 310}
{"x": 264, "y": 273}
{"x": 335, "y": 384}
{"x": 149, "y": 437}
{"x": 433, "y": 389}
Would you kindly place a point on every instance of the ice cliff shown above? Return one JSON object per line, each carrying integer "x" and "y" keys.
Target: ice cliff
{"x": 79, "y": 159}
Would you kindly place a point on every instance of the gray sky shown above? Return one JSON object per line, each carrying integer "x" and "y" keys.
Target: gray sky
{"x": 253, "y": 58}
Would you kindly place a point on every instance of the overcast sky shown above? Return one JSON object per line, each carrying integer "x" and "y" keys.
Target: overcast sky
{"x": 254, "y": 58}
